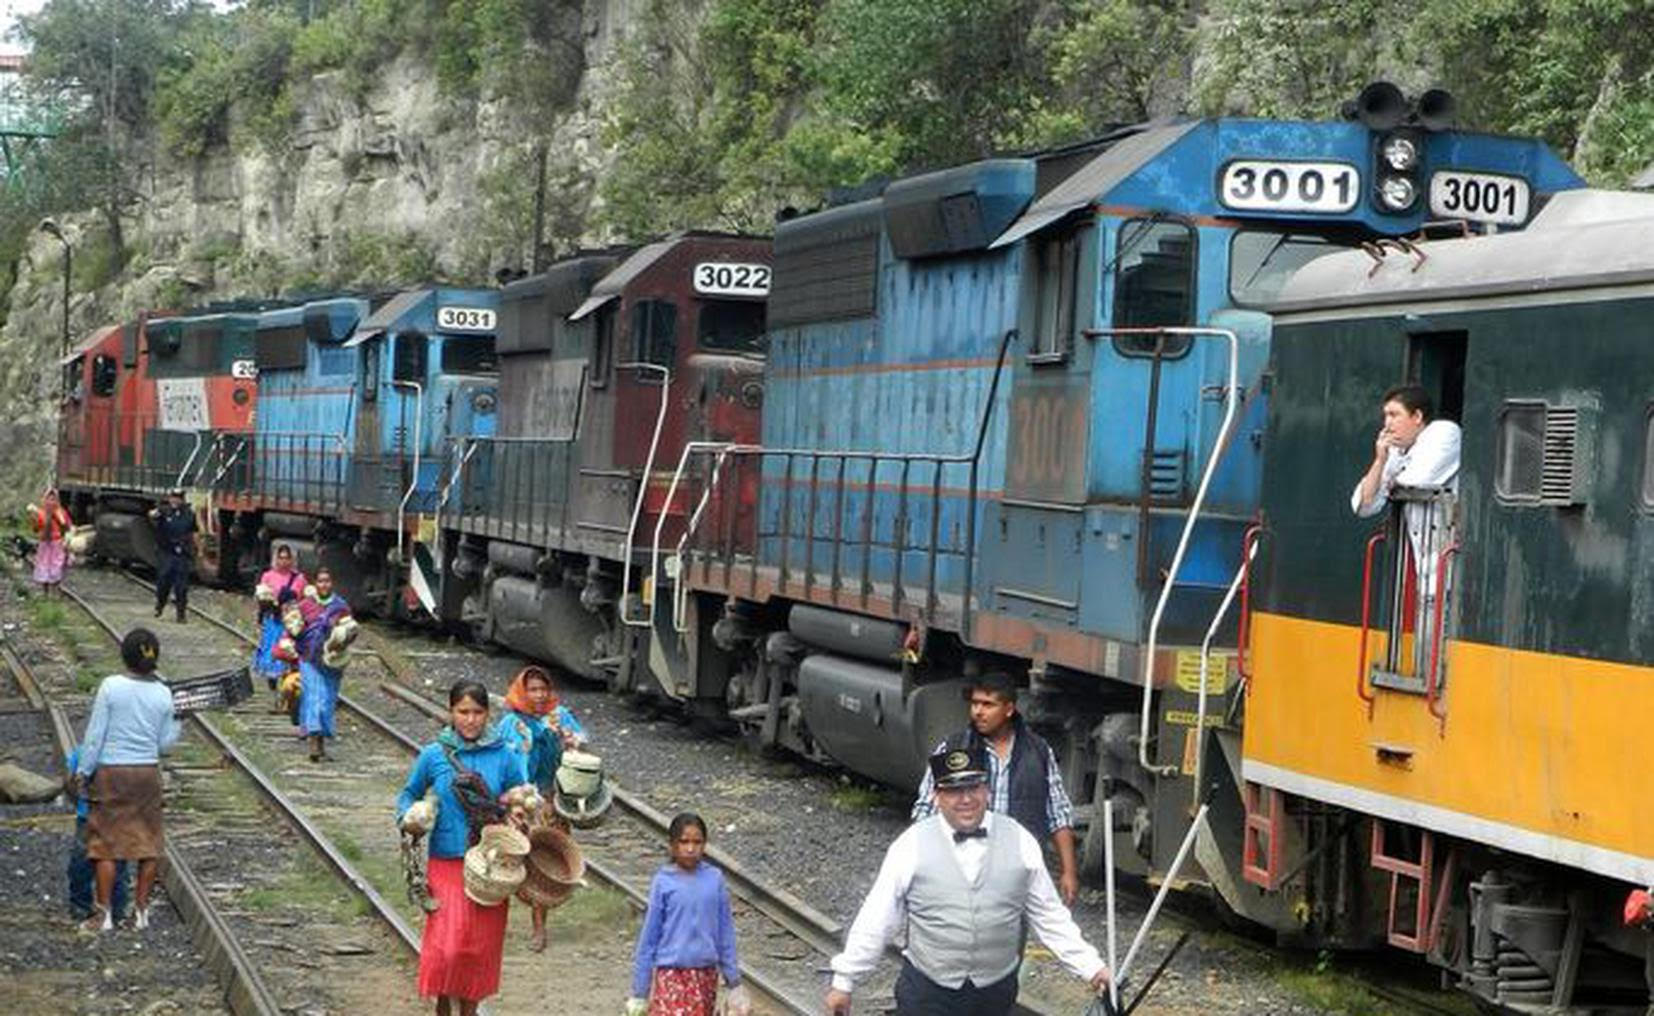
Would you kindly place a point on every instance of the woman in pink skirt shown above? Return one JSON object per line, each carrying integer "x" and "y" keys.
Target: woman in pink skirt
{"x": 51, "y": 526}
{"x": 469, "y": 768}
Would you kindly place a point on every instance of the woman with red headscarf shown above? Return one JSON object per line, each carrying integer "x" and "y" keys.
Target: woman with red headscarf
{"x": 526, "y": 729}
{"x": 51, "y": 525}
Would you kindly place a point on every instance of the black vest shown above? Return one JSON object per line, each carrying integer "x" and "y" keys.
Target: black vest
{"x": 1028, "y": 800}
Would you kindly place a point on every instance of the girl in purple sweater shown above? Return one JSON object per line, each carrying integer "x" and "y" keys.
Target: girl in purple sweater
{"x": 688, "y": 934}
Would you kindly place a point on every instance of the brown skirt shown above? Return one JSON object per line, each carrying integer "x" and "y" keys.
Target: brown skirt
{"x": 125, "y": 819}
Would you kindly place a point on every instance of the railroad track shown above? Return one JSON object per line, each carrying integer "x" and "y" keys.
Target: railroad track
{"x": 311, "y": 930}
{"x": 793, "y": 939}
{"x": 629, "y": 847}
{"x": 245, "y": 990}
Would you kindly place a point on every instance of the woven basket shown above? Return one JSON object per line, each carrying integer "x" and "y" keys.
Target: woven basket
{"x": 554, "y": 868}
{"x": 494, "y": 867}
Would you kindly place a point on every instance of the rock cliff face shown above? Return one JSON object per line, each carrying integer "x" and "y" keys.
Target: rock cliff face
{"x": 395, "y": 185}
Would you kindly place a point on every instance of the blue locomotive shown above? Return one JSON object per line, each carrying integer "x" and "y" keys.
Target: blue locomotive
{"x": 1013, "y": 418}
{"x": 358, "y": 400}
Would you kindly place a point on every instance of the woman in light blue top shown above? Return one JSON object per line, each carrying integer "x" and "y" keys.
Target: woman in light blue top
{"x": 131, "y": 724}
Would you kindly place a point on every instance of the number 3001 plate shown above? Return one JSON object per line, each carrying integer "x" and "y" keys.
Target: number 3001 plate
{"x": 1256, "y": 185}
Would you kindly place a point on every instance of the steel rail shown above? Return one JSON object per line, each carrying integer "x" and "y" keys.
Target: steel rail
{"x": 773, "y": 991}
{"x": 763, "y": 984}
{"x": 309, "y": 830}
{"x": 244, "y": 990}
{"x": 717, "y": 856}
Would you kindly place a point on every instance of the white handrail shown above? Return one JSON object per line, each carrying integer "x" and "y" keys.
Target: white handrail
{"x": 1205, "y": 660}
{"x": 689, "y": 448}
{"x": 680, "y": 591}
{"x": 642, "y": 492}
{"x": 196, "y": 450}
{"x": 471, "y": 447}
{"x": 413, "y": 480}
{"x": 1108, "y": 895}
{"x": 1160, "y": 896}
{"x": 1230, "y": 402}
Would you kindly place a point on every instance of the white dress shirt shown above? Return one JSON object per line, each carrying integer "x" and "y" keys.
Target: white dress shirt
{"x": 1432, "y": 461}
{"x": 885, "y": 909}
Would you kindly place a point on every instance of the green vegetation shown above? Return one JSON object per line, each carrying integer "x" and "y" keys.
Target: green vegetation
{"x": 47, "y": 615}
{"x": 856, "y": 797}
{"x": 595, "y": 908}
{"x": 719, "y": 112}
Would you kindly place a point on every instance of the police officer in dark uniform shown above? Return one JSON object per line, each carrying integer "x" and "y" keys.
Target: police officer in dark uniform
{"x": 175, "y": 549}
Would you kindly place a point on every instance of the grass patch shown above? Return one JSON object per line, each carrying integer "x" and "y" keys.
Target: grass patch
{"x": 598, "y": 907}
{"x": 47, "y": 615}
{"x": 1334, "y": 993}
{"x": 856, "y": 797}
{"x": 305, "y": 884}
{"x": 87, "y": 680}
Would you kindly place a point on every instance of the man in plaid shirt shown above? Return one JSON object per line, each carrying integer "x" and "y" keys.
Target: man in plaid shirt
{"x": 1024, "y": 779}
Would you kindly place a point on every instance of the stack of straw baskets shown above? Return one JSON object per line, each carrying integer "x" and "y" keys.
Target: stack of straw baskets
{"x": 554, "y": 866}
{"x": 494, "y": 868}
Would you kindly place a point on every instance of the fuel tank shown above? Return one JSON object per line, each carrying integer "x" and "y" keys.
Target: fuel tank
{"x": 547, "y": 623}
{"x": 857, "y": 714}
{"x": 865, "y": 638}
{"x": 126, "y": 536}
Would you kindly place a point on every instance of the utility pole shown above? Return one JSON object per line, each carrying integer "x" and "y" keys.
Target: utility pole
{"x": 536, "y": 257}
{"x": 51, "y": 226}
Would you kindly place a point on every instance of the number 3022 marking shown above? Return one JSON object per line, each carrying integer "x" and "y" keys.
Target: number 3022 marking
{"x": 1257, "y": 185}
{"x": 726, "y": 278}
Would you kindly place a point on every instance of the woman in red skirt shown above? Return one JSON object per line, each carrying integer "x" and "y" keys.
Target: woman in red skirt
{"x": 468, "y": 768}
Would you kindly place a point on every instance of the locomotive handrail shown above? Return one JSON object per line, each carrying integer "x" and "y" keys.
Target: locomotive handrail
{"x": 1250, "y": 550}
{"x": 1432, "y": 680}
{"x": 1366, "y": 616}
{"x": 1231, "y": 402}
{"x": 642, "y": 493}
{"x": 875, "y": 457}
{"x": 218, "y": 444}
{"x": 194, "y": 451}
{"x": 1243, "y": 634}
{"x": 471, "y": 443}
{"x": 413, "y": 479}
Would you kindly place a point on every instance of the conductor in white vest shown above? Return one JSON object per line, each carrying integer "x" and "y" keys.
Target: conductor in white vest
{"x": 962, "y": 882}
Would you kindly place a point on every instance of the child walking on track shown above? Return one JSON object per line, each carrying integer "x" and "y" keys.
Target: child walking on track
{"x": 688, "y": 935}
{"x": 468, "y": 767}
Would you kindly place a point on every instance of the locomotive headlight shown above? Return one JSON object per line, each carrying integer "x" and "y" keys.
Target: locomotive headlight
{"x": 483, "y": 401}
{"x": 1400, "y": 153}
{"x": 1397, "y": 193}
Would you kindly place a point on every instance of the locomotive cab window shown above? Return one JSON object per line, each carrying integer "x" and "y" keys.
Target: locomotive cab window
{"x": 74, "y": 379}
{"x": 1154, "y": 285}
{"x": 412, "y": 348}
{"x": 1648, "y": 460}
{"x": 370, "y": 369}
{"x": 603, "y": 347}
{"x": 655, "y": 333}
{"x": 469, "y": 354}
{"x": 1056, "y": 265}
{"x": 730, "y": 326}
{"x": 1260, "y": 262}
{"x": 105, "y": 370}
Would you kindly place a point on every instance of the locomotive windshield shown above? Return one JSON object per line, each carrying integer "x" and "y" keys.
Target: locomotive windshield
{"x": 731, "y": 326}
{"x": 469, "y": 354}
{"x": 1261, "y": 261}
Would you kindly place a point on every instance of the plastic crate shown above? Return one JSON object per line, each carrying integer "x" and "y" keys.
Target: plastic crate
{"x": 218, "y": 690}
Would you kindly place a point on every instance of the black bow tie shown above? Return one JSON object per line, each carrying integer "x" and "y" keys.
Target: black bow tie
{"x": 979, "y": 833}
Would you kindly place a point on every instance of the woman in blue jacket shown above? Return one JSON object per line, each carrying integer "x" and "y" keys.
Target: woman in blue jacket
{"x": 468, "y": 768}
